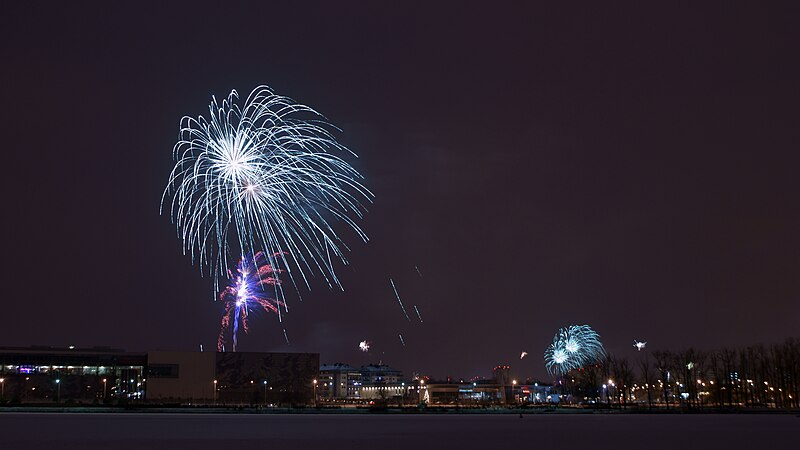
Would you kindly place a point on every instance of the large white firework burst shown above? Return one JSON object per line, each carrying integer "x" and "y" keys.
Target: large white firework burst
{"x": 573, "y": 347}
{"x": 263, "y": 177}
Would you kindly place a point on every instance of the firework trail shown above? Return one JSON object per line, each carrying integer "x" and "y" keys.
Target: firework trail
{"x": 402, "y": 341}
{"x": 639, "y": 344}
{"x": 418, "y": 272}
{"x": 363, "y": 346}
{"x": 418, "y": 315}
{"x": 398, "y": 300}
{"x": 573, "y": 347}
{"x": 286, "y": 336}
{"x": 523, "y": 354}
{"x": 248, "y": 287}
{"x": 263, "y": 177}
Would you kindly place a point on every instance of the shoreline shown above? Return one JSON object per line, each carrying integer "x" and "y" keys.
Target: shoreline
{"x": 383, "y": 411}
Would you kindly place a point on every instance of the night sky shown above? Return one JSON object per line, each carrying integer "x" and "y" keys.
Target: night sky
{"x": 630, "y": 167}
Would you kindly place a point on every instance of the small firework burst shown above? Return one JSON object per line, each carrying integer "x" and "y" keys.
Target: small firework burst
{"x": 252, "y": 286}
{"x": 573, "y": 347}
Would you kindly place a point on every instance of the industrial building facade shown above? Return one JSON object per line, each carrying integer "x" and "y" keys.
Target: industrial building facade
{"x": 93, "y": 375}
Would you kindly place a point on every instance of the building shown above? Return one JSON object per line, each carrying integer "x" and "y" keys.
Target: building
{"x": 475, "y": 393}
{"x": 371, "y": 382}
{"x": 290, "y": 377}
{"x": 380, "y": 375}
{"x": 98, "y": 374}
{"x": 339, "y": 382}
{"x": 46, "y": 374}
{"x": 181, "y": 377}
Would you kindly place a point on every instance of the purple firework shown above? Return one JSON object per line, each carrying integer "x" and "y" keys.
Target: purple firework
{"x": 252, "y": 286}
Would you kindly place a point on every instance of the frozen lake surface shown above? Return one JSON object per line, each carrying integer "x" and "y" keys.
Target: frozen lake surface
{"x": 137, "y": 431}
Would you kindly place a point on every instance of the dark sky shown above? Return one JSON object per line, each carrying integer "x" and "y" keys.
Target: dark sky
{"x": 632, "y": 167}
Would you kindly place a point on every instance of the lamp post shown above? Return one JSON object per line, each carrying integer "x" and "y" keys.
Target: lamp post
{"x": 315, "y": 392}
{"x": 513, "y": 390}
{"x": 58, "y": 383}
{"x": 265, "y": 392}
{"x": 215, "y": 392}
{"x": 2, "y": 388}
{"x": 105, "y": 386}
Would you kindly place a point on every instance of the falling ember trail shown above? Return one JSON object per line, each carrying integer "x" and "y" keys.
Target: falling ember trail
{"x": 417, "y": 310}
{"x": 286, "y": 336}
{"x": 398, "y": 300}
{"x": 402, "y": 341}
{"x": 418, "y": 272}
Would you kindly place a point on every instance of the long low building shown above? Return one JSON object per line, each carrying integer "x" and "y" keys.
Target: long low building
{"x": 100, "y": 374}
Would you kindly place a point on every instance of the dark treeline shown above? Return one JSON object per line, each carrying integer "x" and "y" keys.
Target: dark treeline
{"x": 754, "y": 376}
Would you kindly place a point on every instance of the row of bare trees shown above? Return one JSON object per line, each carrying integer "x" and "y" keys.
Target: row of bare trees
{"x": 754, "y": 376}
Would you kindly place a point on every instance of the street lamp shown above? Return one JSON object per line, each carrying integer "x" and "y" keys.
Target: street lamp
{"x": 105, "y": 386}
{"x": 265, "y": 392}
{"x": 215, "y": 392}
{"x": 2, "y": 388}
{"x": 58, "y": 383}
{"x": 513, "y": 390}
{"x": 315, "y": 392}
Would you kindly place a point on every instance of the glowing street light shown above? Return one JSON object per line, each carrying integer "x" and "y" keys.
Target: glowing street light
{"x": 105, "y": 386}
{"x": 315, "y": 392}
{"x": 514, "y": 389}
{"x": 215, "y": 392}
{"x": 265, "y": 392}
{"x": 58, "y": 383}
{"x": 2, "y": 388}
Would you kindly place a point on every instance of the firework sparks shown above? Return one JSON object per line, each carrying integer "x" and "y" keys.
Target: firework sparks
{"x": 402, "y": 341}
{"x": 418, "y": 272}
{"x": 573, "y": 347}
{"x": 286, "y": 336}
{"x": 639, "y": 345}
{"x": 398, "y": 300}
{"x": 263, "y": 177}
{"x": 363, "y": 346}
{"x": 249, "y": 287}
{"x": 523, "y": 354}
{"x": 418, "y": 315}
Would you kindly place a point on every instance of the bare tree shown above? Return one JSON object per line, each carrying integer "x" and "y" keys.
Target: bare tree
{"x": 647, "y": 377}
{"x": 663, "y": 361}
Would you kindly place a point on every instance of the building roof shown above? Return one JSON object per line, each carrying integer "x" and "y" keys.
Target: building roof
{"x": 337, "y": 367}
